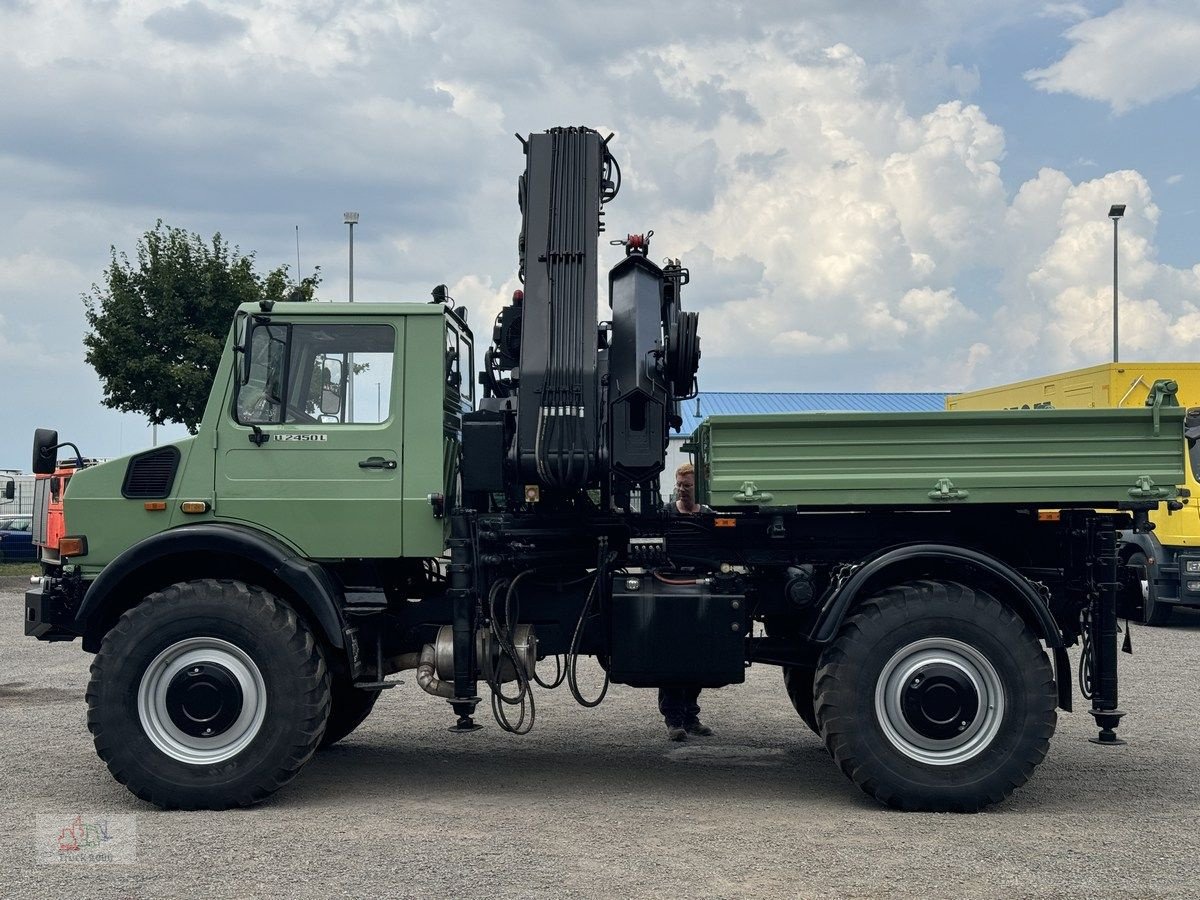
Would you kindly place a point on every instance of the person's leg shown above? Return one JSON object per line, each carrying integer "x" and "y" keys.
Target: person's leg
{"x": 691, "y": 718}
{"x": 673, "y": 705}
{"x": 691, "y": 699}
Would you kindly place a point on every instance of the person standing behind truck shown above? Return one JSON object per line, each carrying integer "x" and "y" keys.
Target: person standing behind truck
{"x": 680, "y": 705}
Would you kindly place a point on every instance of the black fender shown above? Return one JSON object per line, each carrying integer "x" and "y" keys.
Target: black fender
{"x": 1164, "y": 566}
{"x": 308, "y": 581}
{"x": 842, "y": 599}
{"x": 1146, "y": 542}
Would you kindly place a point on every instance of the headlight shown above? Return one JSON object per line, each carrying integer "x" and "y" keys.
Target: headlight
{"x": 1193, "y": 585}
{"x": 1192, "y": 566}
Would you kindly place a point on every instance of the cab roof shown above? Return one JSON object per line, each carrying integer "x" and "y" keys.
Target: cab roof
{"x": 342, "y": 308}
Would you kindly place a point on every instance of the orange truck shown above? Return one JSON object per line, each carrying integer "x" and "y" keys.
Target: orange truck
{"x": 1168, "y": 558}
{"x": 48, "y": 527}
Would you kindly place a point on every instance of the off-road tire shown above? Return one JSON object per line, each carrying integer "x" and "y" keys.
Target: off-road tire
{"x": 294, "y": 694}
{"x": 799, "y": 683}
{"x": 1154, "y": 611}
{"x": 349, "y": 708}
{"x": 853, "y": 677}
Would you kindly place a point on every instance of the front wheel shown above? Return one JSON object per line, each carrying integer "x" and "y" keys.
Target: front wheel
{"x": 936, "y": 697}
{"x": 1154, "y": 611}
{"x": 207, "y": 695}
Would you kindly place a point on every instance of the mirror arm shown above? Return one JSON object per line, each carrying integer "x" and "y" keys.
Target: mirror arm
{"x": 46, "y": 451}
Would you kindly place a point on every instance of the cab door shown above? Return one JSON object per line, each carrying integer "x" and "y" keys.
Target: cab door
{"x": 311, "y": 446}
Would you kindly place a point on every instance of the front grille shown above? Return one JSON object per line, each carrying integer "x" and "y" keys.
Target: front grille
{"x": 150, "y": 475}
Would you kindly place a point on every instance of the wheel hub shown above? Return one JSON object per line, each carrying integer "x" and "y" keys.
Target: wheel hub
{"x": 204, "y": 700}
{"x": 940, "y": 702}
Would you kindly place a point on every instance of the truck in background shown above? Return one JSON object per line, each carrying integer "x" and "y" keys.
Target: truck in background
{"x": 1167, "y": 558}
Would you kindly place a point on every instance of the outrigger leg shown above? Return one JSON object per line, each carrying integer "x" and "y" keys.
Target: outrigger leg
{"x": 462, "y": 592}
{"x": 1103, "y": 626}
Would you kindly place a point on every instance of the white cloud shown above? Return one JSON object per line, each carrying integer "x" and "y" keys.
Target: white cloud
{"x": 1064, "y": 306}
{"x": 888, "y": 233}
{"x": 1141, "y": 52}
{"x": 927, "y": 310}
{"x": 1174, "y": 179}
{"x": 1072, "y": 12}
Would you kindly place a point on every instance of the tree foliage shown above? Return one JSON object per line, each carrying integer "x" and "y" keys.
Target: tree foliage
{"x": 158, "y": 325}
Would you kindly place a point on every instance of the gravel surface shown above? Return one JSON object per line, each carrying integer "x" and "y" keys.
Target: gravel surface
{"x": 596, "y": 803}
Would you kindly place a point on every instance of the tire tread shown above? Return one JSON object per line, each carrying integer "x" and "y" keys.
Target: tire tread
{"x": 838, "y": 726}
{"x": 311, "y": 684}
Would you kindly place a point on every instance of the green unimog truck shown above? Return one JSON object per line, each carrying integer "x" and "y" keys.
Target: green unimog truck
{"x": 350, "y": 509}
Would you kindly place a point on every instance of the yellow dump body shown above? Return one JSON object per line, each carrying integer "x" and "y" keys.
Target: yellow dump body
{"x": 1108, "y": 385}
{"x": 1123, "y": 384}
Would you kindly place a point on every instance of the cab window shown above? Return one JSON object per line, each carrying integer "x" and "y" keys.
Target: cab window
{"x": 309, "y": 374}
{"x": 460, "y": 364}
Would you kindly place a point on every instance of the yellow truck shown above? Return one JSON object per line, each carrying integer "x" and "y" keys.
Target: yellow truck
{"x": 1169, "y": 557}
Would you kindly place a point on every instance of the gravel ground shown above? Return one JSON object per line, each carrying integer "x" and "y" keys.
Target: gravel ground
{"x": 597, "y": 803}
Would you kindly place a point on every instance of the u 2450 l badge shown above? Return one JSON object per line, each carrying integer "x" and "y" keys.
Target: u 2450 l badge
{"x": 301, "y": 437}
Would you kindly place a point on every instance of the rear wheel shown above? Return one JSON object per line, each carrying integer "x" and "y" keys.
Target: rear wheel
{"x": 799, "y": 683}
{"x": 348, "y": 709}
{"x": 1154, "y": 611}
{"x": 207, "y": 695}
{"x": 936, "y": 697}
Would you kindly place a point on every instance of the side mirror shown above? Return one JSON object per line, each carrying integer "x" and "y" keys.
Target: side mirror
{"x": 10, "y": 490}
{"x": 45, "y": 443}
{"x": 331, "y": 403}
{"x": 241, "y": 349}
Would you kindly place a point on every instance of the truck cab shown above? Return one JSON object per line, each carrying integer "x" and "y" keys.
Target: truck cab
{"x": 316, "y": 434}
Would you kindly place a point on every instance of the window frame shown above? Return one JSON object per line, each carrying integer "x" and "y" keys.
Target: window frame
{"x": 288, "y": 389}
{"x": 242, "y": 381}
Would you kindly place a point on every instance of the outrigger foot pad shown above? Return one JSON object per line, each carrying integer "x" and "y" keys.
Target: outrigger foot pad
{"x": 465, "y": 723}
{"x": 1107, "y": 720}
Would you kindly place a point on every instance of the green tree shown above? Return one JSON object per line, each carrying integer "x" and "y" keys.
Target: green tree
{"x": 158, "y": 325}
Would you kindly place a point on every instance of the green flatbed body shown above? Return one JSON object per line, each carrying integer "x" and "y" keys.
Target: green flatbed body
{"x": 1039, "y": 457}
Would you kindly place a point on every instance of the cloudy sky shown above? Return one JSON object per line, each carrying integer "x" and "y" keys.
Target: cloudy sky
{"x": 870, "y": 195}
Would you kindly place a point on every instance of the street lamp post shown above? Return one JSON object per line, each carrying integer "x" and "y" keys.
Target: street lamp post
{"x": 1115, "y": 212}
{"x": 351, "y": 219}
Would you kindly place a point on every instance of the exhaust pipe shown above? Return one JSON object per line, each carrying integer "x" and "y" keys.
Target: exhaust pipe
{"x": 438, "y": 659}
{"x": 427, "y": 675}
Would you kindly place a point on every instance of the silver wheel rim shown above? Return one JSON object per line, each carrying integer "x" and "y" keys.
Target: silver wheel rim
{"x": 899, "y": 672}
{"x": 152, "y": 701}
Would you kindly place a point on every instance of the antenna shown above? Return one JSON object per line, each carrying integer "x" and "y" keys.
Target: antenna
{"x": 297, "y": 255}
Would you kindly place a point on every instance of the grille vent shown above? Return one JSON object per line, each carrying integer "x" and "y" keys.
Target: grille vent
{"x": 150, "y": 475}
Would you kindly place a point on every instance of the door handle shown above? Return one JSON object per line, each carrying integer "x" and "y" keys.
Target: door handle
{"x": 376, "y": 462}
